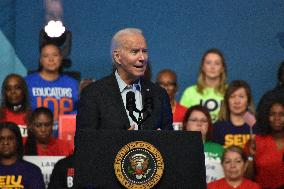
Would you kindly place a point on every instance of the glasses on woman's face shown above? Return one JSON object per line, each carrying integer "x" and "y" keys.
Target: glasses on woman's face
{"x": 201, "y": 121}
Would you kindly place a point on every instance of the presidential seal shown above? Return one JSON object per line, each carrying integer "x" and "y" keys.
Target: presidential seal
{"x": 139, "y": 164}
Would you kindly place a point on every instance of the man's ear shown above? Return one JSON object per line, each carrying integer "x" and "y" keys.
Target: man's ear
{"x": 116, "y": 56}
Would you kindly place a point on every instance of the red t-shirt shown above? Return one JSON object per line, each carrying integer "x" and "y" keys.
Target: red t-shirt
{"x": 269, "y": 163}
{"x": 55, "y": 147}
{"x": 223, "y": 184}
{"x": 179, "y": 113}
{"x": 19, "y": 118}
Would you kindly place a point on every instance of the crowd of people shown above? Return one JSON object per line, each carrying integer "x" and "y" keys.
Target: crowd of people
{"x": 243, "y": 147}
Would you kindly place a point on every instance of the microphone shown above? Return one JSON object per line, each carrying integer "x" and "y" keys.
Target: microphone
{"x": 131, "y": 105}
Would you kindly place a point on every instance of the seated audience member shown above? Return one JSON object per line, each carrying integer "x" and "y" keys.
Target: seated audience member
{"x": 15, "y": 105}
{"x": 168, "y": 80}
{"x": 40, "y": 140}
{"x": 234, "y": 162}
{"x": 233, "y": 127}
{"x": 211, "y": 84}
{"x": 63, "y": 174}
{"x": 197, "y": 118}
{"x": 266, "y": 150}
{"x": 274, "y": 94}
{"x": 49, "y": 87}
{"x": 14, "y": 171}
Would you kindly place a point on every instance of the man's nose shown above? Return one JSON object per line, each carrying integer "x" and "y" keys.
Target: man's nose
{"x": 142, "y": 56}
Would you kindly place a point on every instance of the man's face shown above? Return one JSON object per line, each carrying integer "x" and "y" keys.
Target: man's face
{"x": 8, "y": 143}
{"x": 131, "y": 58}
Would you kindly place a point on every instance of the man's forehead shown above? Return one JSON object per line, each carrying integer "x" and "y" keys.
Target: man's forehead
{"x": 133, "y": 41}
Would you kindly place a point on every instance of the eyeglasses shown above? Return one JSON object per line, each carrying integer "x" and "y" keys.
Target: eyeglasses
{"x": 202, "y": 121}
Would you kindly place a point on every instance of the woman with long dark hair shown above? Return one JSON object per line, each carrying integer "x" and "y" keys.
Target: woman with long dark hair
{"x": 49, "y": 87}
{"x": 14, "y": 171}
{"x": 15, "y": 105}
{"x": 266, "y": 150}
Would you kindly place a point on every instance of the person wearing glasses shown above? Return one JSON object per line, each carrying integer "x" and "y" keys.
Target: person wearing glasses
{"x": 197, "y": 118}
{"x": 168, "y": 80}
{"x": 14, "y": 171}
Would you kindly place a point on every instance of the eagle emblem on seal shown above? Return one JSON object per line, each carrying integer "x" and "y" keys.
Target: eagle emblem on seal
{"x": 139, "y": 166}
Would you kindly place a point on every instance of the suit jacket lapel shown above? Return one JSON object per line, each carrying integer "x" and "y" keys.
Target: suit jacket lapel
{"x": 116, "y": 99}
{"x": 148, "y": 124}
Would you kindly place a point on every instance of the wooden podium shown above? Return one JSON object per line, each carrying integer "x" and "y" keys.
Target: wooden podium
{"x": 181, "y": 151}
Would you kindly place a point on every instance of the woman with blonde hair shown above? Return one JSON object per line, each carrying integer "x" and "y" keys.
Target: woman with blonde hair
{"x": 211, "y": 84}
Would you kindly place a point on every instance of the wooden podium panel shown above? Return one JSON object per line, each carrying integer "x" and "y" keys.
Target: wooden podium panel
{"x": 182, "y": 153}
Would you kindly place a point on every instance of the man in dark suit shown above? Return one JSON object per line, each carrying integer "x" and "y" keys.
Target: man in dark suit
{"x": 103, "y": 103}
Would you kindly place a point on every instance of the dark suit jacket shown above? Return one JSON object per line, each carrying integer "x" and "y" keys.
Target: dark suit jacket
{"x": 101, "y": 107}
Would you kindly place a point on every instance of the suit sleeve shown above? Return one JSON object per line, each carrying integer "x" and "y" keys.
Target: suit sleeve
{"x": 57, "y": 177}
{"x": 88, "y": 112}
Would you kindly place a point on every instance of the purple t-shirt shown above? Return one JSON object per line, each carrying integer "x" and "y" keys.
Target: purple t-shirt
{"x": 227, "y": 134}
{"x": 21, "y": 174}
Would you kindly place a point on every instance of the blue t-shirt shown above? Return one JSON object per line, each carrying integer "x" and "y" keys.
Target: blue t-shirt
{"x": 227, "y": 134}
{"x": 60, "y": 96}
{"x": 21, "y": 174}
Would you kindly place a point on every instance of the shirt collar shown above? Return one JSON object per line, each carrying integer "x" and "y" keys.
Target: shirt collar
{"x": 122, "y": 85}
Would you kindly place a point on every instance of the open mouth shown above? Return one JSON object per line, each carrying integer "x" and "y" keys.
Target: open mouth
{"x": 139, "y": 67}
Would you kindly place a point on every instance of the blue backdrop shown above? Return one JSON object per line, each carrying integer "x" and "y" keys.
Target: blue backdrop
{"x": 250, "y": 33}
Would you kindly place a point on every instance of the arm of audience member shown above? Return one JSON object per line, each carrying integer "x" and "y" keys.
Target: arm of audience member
{"x": 250, "y": 151}
{"x": 166, "y": 113}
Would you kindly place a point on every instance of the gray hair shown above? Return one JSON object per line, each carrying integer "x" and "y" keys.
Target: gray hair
{"x": 116, "y": 41}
